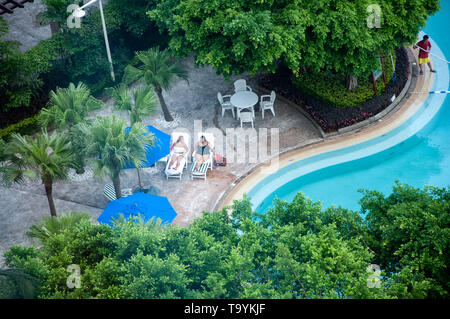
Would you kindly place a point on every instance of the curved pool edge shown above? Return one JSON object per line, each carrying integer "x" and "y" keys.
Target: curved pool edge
{"x": 409, "y": 106}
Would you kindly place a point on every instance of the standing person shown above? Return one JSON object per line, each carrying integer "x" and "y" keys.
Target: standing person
{"x": 424, "y": 48}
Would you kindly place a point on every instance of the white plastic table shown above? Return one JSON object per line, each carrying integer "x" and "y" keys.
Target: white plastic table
{"x": 244, "y": 100}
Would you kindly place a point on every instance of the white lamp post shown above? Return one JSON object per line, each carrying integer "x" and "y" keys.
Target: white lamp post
{"x": 79, "y": 13}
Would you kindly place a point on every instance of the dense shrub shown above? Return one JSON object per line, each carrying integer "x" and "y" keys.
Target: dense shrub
{"x": 330, "y": 88}
{"x": 295, "y": 250}
{"x": 329, "y": 116}
{"x": 25, "y": 127}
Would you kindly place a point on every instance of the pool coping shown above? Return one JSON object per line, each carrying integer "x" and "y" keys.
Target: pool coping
{"x": 394, "y": 115}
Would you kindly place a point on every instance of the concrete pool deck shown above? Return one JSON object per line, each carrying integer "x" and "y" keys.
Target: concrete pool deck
{"x": 378, "y": 126}
{"x": 195, "y": 104}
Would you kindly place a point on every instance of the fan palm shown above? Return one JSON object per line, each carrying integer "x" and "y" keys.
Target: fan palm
{"x": 112, "y": 148}
{"x": 138, "y": 102}
{"x": 50, "y": 226}
{"x": 66, "y": 109}
{"x": 46, "y": 158}
{"x": 68, "y": 106}
{"x": 158, "y": 69}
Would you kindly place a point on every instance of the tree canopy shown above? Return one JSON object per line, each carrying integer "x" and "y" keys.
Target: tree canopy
{"x": 295, "y": 250}
{"x": 337, "y": 35}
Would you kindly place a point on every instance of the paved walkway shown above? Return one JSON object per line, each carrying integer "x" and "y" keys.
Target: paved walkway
{"x": 24, "y": 27}
{"x": 194, "y": 105}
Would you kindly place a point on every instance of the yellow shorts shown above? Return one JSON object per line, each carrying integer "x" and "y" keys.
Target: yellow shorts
{"x": 425, "y": 60}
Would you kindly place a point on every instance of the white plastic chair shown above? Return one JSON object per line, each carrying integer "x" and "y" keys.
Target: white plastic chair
{"x": 226, "y": 105}
{"x": 241, "y": 85}
{"x": 177, "y": 174}
{"x": 267, "y": 102}
{"x": 201, "y": 173}
{"x": 246, "y": 117}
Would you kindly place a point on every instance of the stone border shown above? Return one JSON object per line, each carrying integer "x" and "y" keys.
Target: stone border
{"x": 349, "y": 130}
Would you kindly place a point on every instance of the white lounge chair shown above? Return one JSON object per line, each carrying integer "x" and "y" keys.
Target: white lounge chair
{"x": 201, "y": 172}
{"x": 110, "y": 192}
{"x": 267, "y": 102}
{"x": 172, "y": 173}
{"x": 226, "y": 105}
{"x": 241, "y": 85}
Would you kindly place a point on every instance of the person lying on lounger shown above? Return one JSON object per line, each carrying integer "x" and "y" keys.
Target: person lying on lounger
{"x": 178, "y": 150}
{"x": 202, "y": 154}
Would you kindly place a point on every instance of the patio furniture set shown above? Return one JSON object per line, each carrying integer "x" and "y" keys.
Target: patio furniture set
{"x": 242, "y": 106}
{"x": 244, "y": 101}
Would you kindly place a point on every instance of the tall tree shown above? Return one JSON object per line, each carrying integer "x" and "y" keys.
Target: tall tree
{"x": 139, "y": 102}
{"x": 46, "y": 158}
{"x": 111, "y": 147}
{"x": 66, "y": 109}
{"x": 339, "y": 36}
{"x": 158, "y": 69}
{"x": 409, "y": 231}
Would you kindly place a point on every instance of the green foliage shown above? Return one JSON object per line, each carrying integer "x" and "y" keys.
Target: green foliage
{"x": 17, "y": 80}
{"x": 50, "y": 226}
{"x": 409, "y": 232}
{"x": 158, "y": 69}
{"x": 17, "y": 285}
{"x": 139, "y": 102}
{"x": 111, "y": 148}
{"x": 25, "y": 127}
{"x": 57, "y": 12}
{"x": 68, "y": 106}
{"x": 46, "y": 158}
{"x": 331, "y": 87}
{"x": 295, "y": 250}
{"x": 236, "y": 36}
{"x": 134, "y": 15}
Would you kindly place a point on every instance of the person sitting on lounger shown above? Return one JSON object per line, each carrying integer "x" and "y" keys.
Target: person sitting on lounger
{"x": 202, "y": 154}
{"x": 178, "y": 150}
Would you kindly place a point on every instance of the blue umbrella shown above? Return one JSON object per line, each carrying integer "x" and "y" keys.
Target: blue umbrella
{"x": 156, "y": 152}
{"x": 145, "y": 205}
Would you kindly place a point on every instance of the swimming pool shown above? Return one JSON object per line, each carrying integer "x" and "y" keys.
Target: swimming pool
{"x": 416, "y": 153}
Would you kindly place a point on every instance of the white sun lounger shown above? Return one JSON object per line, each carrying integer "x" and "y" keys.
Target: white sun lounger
{"x": 203, "y": 169}
{"x": 172, "y": 173}
{"x": 110, "y": 192}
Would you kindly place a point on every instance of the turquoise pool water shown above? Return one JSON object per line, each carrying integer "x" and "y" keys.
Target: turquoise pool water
{"x": 416, "y": 153}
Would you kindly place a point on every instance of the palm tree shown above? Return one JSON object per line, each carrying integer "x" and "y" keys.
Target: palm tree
{"x": 46, "y": 158}
{"x": 138, "y": 102}
{"x": 68, "y": 106}
{"x": 158, "y": 69}
{"x": 50, "y": 226}
{"x": 112, "y": 148}
{"x": 66, "y": 109}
